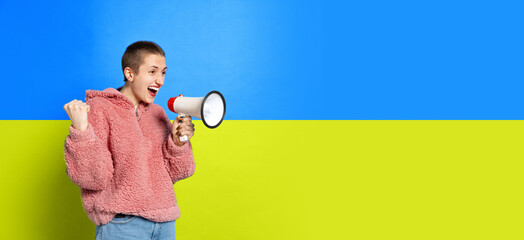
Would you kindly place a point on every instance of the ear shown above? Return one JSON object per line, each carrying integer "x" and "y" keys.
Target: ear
{"x": 130, "y": 75}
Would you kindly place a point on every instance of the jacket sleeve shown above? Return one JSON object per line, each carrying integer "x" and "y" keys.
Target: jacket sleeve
{"x": 88, "y": 159}
{"x": 179, "y": 160}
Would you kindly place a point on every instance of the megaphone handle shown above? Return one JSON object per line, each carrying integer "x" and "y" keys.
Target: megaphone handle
{"x": 182, "y": 138}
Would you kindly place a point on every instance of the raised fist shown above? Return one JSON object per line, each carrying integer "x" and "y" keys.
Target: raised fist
{"x": 77, "y": 112}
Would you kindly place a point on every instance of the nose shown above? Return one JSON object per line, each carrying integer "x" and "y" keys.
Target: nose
{"x": 160, "y": 81}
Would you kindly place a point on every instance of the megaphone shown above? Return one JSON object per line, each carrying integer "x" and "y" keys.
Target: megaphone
{"x": 211, "y": 108}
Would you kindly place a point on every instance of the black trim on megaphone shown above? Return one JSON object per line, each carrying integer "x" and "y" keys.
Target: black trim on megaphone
{"x": 202, "y": 109}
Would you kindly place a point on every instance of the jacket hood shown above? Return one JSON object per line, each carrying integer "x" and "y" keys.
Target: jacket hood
{"x": 115, "y": 97}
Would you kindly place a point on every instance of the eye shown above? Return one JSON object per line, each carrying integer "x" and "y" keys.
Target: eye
{"x": 152, "y": 71}
{"x": 163, "y": 73}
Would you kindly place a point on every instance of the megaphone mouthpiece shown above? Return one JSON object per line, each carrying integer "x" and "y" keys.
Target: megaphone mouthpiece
{"x": 170, "y": 104}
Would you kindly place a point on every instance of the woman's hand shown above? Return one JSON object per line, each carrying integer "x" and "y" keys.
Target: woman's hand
{"x": 182, "y": 128}
{"x": 77, "y": 112}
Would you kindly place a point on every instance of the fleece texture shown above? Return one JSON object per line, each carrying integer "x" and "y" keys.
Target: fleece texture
{"x": 126, "y": 161}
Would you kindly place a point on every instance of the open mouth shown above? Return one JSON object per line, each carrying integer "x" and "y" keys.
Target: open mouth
{"x": 153, "y": 90}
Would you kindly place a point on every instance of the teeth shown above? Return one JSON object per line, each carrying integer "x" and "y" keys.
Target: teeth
{"x": 154, "y": 88}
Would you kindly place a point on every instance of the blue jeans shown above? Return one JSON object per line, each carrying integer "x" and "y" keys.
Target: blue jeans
{"x": 134, "y": 227}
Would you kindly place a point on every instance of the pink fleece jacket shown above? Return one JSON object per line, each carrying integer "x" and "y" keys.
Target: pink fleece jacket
{"x": 126, "y": 161}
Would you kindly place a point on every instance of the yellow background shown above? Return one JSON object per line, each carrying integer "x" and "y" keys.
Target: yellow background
{"x": 297, "y": 180}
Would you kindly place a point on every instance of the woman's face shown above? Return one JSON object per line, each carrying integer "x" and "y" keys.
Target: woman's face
{"x": 150, "y": 78}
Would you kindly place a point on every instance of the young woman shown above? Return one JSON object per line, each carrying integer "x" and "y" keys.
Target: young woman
{"x": 124, "y": 153}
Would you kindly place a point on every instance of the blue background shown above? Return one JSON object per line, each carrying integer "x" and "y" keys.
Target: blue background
{"x": 294, "y": 60}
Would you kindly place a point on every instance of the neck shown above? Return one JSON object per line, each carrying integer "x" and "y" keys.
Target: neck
{"x": 128, "y": 92}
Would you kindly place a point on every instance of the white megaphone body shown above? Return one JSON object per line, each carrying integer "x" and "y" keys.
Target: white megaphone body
{"x": 211, "y": 108}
